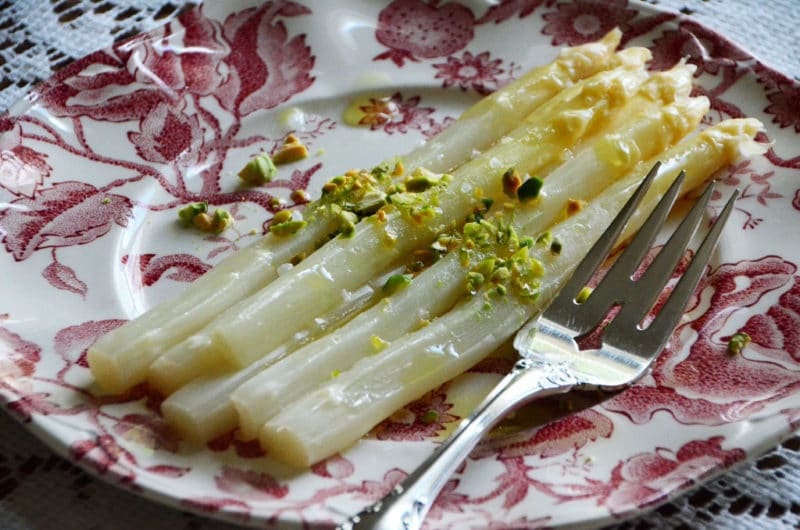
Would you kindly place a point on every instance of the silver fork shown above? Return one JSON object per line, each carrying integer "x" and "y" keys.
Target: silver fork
{"x": 551, "y": 362}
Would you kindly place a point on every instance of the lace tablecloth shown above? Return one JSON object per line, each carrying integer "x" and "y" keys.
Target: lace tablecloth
{"x": 40, "y": 490}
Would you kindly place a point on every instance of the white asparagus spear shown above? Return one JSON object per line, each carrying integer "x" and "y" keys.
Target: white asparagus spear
{"x": 495, "y": 115}
{"x": 331, "y": 418}
{"x": 119, "y": 360}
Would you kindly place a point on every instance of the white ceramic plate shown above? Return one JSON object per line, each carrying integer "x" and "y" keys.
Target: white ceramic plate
{"x": 97, "y": 159}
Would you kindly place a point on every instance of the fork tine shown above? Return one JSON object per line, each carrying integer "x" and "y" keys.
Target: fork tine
{"x": 656, "y": 335}
{"x": 617, "y": 282}
{"x": 651, "y": 283}
{"x": 564, "y": 303}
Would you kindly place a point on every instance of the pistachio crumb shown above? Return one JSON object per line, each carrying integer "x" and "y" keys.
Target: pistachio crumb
{"x": 530, "y": 189}
{"x": 574, "y": 206}
{"x": 738, "y": 343}
{"x": 335, "y": 374}
{"x": 378, "y": 344}
{"x": 399, "y": 169}
{"x": 291, "y": 151}
{"x": 187, "y": 214}
{"x": 583, "y": 295}
{"x": 511, "y": 182}
{"x": 253, "y": 232}
{"x": 395, "y": 282}
{"x": 106, "y": 200}
{"x": 430, "y": 416}
{"x": 299, "y": 196}
{"x": 258, "y": 170}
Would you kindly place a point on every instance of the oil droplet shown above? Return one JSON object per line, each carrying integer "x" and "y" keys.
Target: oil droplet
{"x": 368, "y": 110}
{"x": 292, "y": 119}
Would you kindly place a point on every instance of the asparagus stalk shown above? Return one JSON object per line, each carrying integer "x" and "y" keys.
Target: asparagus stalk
{"x": 331, "y": 418}
{"x": 495, "y": 115}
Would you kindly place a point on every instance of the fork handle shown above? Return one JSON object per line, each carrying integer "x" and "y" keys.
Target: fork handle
{"x": 405, "y": 507}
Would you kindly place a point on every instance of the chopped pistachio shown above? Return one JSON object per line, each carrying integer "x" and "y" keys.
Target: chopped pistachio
{"x": 286, "y": 228}
{"x": 259, "y": 170}
{"x": 430, "y": 416}
{"x": 202, "y": 221}
{"x": 738, "y": 343}
{"x": 583, "y": 295}
{"x": 511, "y": 182}
{"x": 187, "y": 214}
{"x": 335, "y": 374}
{"x": 474, "y": 282}
{"x": 299, "y": 196}
{"x": 106, "y": 200}
{"x": 555, "y": 247}
{"x": 291, "y": 151}
{"x": 395, "y": 282}
{"x": 526, "y": 242}
{"x": 500, "y": 274}
{"x": 398, "y": 169}
{"x": 253, "y": 232}
{"x": 378, "y": 344}
{"x": 221, "y": 221}
{"x": 544, "y": 238}
{"x": 275, "y": 202}
{"x": 347, "y": 224}
{"x": 530, "y": 189}
{"x": 486, "y": 266}
{"x": 574, "y": 206}
{"x": 282, "y": 217}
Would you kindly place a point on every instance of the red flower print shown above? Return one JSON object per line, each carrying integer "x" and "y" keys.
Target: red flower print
{"x": 72, "y": 342}
{"x": 250, "y": 485}
{"x": 69, "y": 213}
{"x": 336, "y": 466}
{"x": 414, "y": 30}
{"x": 183, "y": 55}
{"x": 267, "y": 66}
{"x": 168, "y": 135}
{"x": 422, "y": 419}
{"x": 558, "y": 437}
{"x": 478, "y": 72}
{"x": 148, "y": 431}
{"x": 95, "y": 86}
{"x": 703, "y": 47}
{"x": 784, "y": 97}
{"x": 647, "y": 478}
{"x": 393, "y": 114}
{"x": 584, "y": 21}
{"x": 18, "y": 357}
{"x": 147, "y": 269}
{"x": 22, "y": 169}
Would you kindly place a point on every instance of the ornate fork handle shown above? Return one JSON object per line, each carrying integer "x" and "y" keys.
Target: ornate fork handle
{"x": 405, "y": 507}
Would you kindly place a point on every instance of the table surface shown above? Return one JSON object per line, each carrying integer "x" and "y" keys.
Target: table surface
{"x": 37, "y": 36}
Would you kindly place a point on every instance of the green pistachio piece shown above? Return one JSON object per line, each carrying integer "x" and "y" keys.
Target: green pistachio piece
{"x": 530, "y": 189}
{"x": 187, "y": 214}
{"x": 395, "y": 282}
{"x": 259, "y": 170}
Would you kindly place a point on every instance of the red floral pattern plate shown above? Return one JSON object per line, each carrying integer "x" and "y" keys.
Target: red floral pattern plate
{"x": 95, "y": 162}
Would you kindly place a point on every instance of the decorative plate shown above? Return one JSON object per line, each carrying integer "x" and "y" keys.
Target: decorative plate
{"x": 98, "y": 158}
